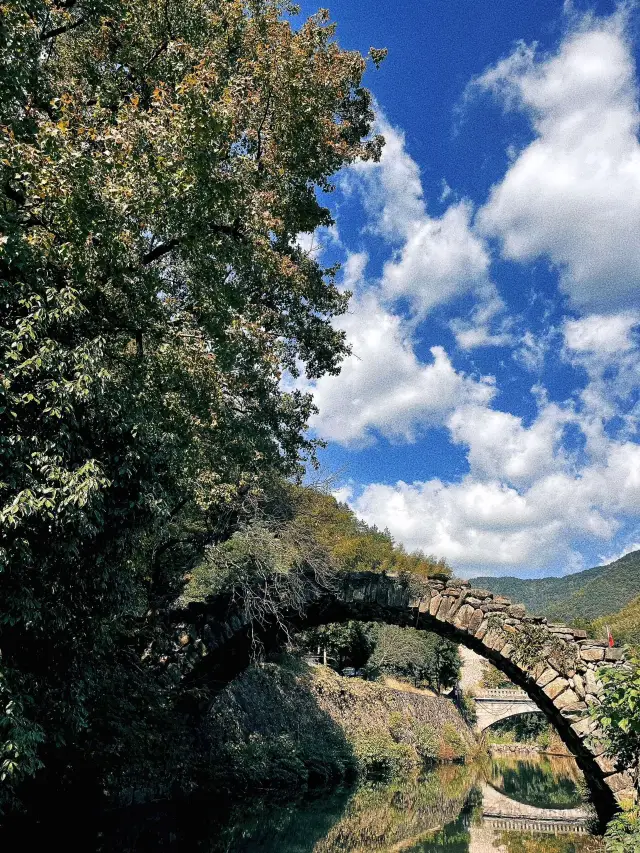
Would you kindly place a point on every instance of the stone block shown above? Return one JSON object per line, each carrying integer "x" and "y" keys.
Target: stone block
{"x": 582, "y": 727}
{"x": 547, "y": 676}
{"x": 463, "y": 616}
{"x": 565, "y": 700}
{"x": 592, "y": 685}
{"x": 578, "y": 685}
{"x": 619, "y": 782}
{"x": 435, "y": 604}
{"x": 591, "y": 654}
{"x": 579, "y": 635}
{"x": 606, "y": 764}
{"x": 480, "y": 593}
{"x": 475, "y": 621}
{"x": 482, "y": 630}
{"x": 443, "y": 610}
{"x": 614, "y": 654}
{"x": 555, "y": 687}
{"x": 518, "y": 611}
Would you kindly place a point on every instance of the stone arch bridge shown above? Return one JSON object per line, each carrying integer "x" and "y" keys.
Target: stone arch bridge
{"x": 495, "y": 705}
{"x": 555, "y": 666}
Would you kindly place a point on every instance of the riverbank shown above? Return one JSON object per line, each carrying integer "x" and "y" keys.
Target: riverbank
{"x": 288, "y": 725}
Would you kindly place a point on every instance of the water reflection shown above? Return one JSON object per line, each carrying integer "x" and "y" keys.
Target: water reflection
{"x": 493, "y": 808}
{"x": 546, "y": 782}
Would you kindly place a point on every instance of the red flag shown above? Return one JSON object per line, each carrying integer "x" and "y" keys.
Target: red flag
{"x": 610, "y": 637}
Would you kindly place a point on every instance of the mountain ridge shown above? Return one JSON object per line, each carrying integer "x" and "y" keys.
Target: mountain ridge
{"x": 587, "y": 595}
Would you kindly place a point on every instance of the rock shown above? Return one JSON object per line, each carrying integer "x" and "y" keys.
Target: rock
{"x": 591, "y": 654}
{"x": 476, "y": 621}
{"x": 578, "y": 685}
{"x": 619, "y": 782}
{"x": 556, "y": 687}
{"x": 435, "y": 604}
{"x": 517, "y": 610}
{"x": 606, "y": 764}
{"x": 547, "y": 677}
{"x": 583, "y": 727}
{"x": 565, "y": 700}
{"x": 482, "y": 630}
{"x": 592, "y": 684}
{"x": 614, "y": 654}
{"x": 463, "y": 616}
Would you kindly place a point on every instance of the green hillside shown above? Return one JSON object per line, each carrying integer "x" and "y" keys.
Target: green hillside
{"x": 585, "y": 595}
{"x": 624, "y": 625}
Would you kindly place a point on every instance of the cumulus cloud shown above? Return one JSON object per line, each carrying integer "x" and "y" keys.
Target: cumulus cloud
{"x": 573, "y": 194}
{"x": 440, "y": 259}
{"x": 486, "y": 325}
{"x": 383, "y": 387}
{"x": 487, "y": 525}
{"x": 437, "y": 258}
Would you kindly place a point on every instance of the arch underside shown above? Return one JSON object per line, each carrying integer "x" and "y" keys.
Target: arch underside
{"x": 220, "y": 641}
{"x": 491, "y": 712}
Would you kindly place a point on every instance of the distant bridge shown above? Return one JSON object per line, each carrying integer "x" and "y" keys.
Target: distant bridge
{"x": 495, "y": 705}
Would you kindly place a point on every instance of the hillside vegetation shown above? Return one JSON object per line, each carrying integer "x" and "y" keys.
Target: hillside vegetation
{"x": 585, "y": 595}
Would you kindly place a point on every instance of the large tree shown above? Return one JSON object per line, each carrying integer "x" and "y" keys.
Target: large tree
{"x": 157, "y": 160}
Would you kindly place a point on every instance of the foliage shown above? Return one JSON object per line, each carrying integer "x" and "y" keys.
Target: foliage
{"x": 524, "y": 728}
{"x": 493, "y": 679}
{"x": 624, "y": 625}
{"x": 379, "y": 755}
{"x": 454, "y": 746}
{"x": 468, "y": 709}
{"x": 619, "y": 710}
{"x": 345, "y": 644}
{"x": 427, "y": 742}
{"x": 417, "y": 655}
{"x": 623, "y": 832}
{"x": 583, "y": 595}
{"x": 356, "y": 546}
{"x": 156, "y": 164}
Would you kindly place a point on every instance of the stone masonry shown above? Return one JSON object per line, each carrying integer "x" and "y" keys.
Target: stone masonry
{"x": 556, "y": 666}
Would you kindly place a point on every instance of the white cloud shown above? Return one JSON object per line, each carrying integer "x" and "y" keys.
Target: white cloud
{"x": 502, "y": 448}
{"x": 488, "y": 526}
{"x": 383, "y": 387}
{"x": 478, "y": 330}
{"x": 573, "y": 194}
{"x": 392, "y": 190}
{"x": 440, "y": 259}
{"x": 601, "y": 334}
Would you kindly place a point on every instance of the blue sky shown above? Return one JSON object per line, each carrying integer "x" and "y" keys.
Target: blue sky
{"x": 489, "y": 413}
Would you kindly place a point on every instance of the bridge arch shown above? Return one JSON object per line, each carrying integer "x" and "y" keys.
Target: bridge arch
{"x": 214, "y": 641}
{"x": 495, "y": 705}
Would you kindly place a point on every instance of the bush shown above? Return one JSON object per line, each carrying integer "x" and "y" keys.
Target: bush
{"x": 623, "y": 833}
{"x": 427, "y": 743}
{"x": 453, "y": 747}
{"x": 380, "y": 756}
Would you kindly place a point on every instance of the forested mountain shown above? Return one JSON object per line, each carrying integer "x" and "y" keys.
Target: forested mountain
{"x": 585, "y": 595}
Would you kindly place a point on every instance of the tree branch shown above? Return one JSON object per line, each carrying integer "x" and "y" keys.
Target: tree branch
{"x": 168, "y": 246}
{"x": 65, "y": 28}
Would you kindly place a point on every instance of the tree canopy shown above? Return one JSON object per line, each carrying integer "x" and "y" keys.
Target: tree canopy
{"x": 157, "y": 161}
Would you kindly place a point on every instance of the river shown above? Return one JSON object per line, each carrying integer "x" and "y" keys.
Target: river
{"x": 503, "y": 805}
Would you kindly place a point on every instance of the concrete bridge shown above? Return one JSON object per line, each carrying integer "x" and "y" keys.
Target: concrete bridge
{"x": 499, "y": 704}
{"x": 554, "y": 665}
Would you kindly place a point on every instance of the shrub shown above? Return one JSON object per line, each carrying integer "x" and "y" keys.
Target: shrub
{"x": 623, "y": 833}
{"x": 380, "y": 756}
{"x": 453, "y": 747}
{"x": 427, "y": 743}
